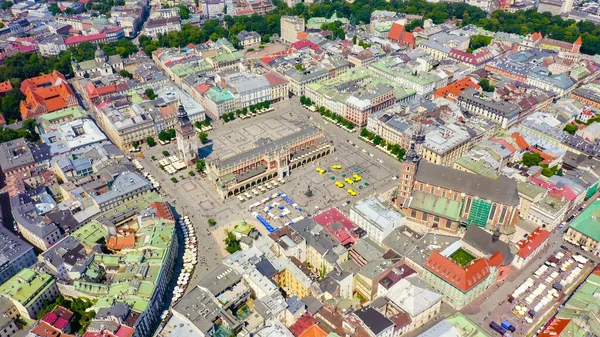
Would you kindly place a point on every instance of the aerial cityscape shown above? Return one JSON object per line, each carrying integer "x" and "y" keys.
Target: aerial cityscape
{"x": 287, "y": 168}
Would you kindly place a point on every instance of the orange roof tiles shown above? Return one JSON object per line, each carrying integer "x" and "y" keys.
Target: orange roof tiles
{"x": 118, "y": 243}
{"x": 452, "y": 90}
{"x": 536, "y": 36}
{"x": 45, "y": 330}
{"x": 5, "y": 87}
{"x": 399, "y": 34}
{"x": 578, "y": 41}
{"x": 555, "y": 327}
{"x": 459, "y": 277}
{"x": 533, "y": 241}
{"x": 302, "y": 35}
{"x": 313, "y": 331}
{"x": 46, "y": 93}
{"x": 521, "y": 142}
{"x": 163, "y": 211}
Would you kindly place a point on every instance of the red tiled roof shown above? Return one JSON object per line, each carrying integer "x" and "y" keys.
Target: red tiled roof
{"x": 533, "y": 241}
{"x": 78, "y": 39}
{"x": 61, "y": 323}
{"x": 124, "y": 331}
{"x": 398, "y": 33}
{"x": 505, "y": 144}
{"x": 275, "y": 79}
{"x": 163, "y": 211}
{"x": 203, "y": 87}
{"x": 555, "y": 327}
{"x": 45, "y": 330}
{"x": 118, "y": 243}
{"x": 50, "y": 318}
{"x": 342, "y": 233}
{"x": 455, "y": 88}
{"x": 461, "y": 278}
{"x": 303, "y": 323}
{"x": 5, "y": 87}
{"x": 578, "y": 41}
{"x": 521, "y": 142}
{"x": 313, "y": 331}
{"x": 536, "y": 36}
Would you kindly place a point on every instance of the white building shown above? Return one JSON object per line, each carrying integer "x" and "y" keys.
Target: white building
{"x": 52, "y": 45}
{"x": 375, "y": 218}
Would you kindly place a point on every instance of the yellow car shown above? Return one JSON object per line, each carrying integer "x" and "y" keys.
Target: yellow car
{"x": 349, "y": 181}
{"x": 320, "y": 170}
{"x": 338, "y": 184}
{"x": 357, "y": 178}
{"x": 351, "y": 192}
{"x": 337, "y": 167}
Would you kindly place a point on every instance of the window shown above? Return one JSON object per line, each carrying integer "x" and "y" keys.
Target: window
{"x": 503, "y": 214}
{"x": 421, "y": 187}
{"x": 413, "y": 213}
{"x": 492, "y": 212}
{"x": 424, "y": 216}
{"x": 443, "y": 194}
{"x": 468, "y": 207}
{"x": 448, "y": 223}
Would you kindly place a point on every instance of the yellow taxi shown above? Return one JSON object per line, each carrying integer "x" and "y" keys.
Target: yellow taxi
{"x": 320, "y": 170}
{"x": 338, "y": 184}
{"x": 351, "y": 192}
{"x": 141, "y": 155}
{"x": 349, "y": 181}
{"x": 357, "y": 178}
{"x": 337, "y": 167}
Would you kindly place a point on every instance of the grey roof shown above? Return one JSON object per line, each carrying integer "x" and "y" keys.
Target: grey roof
{"x": 15, "y": 154}
{"x": 307, "y": 75}
{"x": 68, "y": 250}
{"x": 125, "y": 183}
{"x": 502, "y": 190}
{"x": 313, "y": 305}
{"x": 119, "y": 310}
{"x": 11, "y": 246}
{"x": 25, "y": 213}
{"x": 294, "y": 304}
{"x": 270, "y": 145}
{"x": 480, "y": 239}
{"x": 500, "y": 108}
{"x": 200, "y": 308}
{"x": 417, "y": 247}
{"x": 374, "y": 320}
{"x": 220, "y": 279}
{"x": 320, "y": 239}
{"x": 368, "y": 249}
{"x": 413, "y": 295}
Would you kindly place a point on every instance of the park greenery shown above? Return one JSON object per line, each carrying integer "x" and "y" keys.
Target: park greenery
{"x": 199, "y": 124}
{"x": 150, "y": 141}
{"x": 203, "y": 136}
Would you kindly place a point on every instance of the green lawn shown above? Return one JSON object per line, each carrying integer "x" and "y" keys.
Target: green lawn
{"x": 462, "y": 257}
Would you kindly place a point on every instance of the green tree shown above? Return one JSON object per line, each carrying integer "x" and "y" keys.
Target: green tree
{"x": 165, "y": 153}
{"x": 200, "y": 165}
{"x": 232, "y": 243}
{"x": 478, "y": 41}
{"x": 135, "y": 144}
{"x": 174, "y": 180}
{"x": 125, "y": 73}
{"x": 150, "y": 93}
{"x": 172, "y": 133}
{"x": 531, "y": 159}
{"x": 54, "y": 9}
{"x": 150, "y": 141}
{"x": 486, "y": 86}
{"x": 164, "y": 136}
{"x": 203, "y": 136}
{"x": 69, "y": 11}
{"x": 377, "y": 140}
{"x": 571, "y": 128}
{"x": 211, "y": 222}
{"x": 184, "y": 12}
{"x": 354, "y": 39}
{"x": 6, "y": 5}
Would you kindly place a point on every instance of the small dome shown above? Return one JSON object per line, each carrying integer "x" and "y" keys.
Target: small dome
{"x": 100, "y": 54}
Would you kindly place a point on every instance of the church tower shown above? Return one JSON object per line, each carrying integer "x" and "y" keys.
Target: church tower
{"x": 409, "y": 166}
{"x": 187, "y": 141}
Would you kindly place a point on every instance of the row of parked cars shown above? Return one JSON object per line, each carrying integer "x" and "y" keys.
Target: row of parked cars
{"x": 503, "y": 328}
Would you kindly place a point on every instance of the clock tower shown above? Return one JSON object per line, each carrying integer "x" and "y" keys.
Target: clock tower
{"x": 187, "y": 141}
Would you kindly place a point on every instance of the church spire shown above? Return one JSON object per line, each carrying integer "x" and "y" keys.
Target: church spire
{"x": 182, "y": 117}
